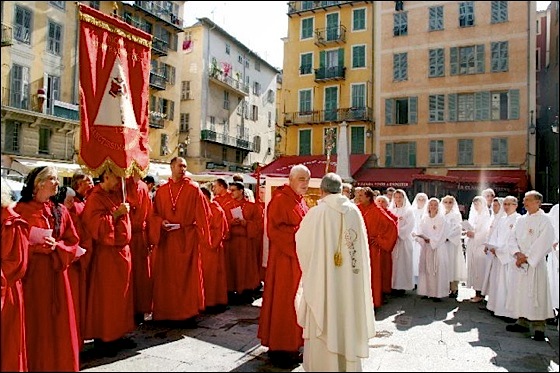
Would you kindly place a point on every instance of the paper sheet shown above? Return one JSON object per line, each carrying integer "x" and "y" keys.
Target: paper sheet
{"x": 237, "y": 213}
{"x": 37, "y": 235}
{"x": 172, "y": 226}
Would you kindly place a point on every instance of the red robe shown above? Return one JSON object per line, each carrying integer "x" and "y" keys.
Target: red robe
{"x": 138, "y": 196}
{"x": 259, "y": 240}
{"x": 241, "y": 259}
{"x": 223, "y": 199}
{"x": 13, "y": 357}
{"x": 52, "y": 337}
{"x": 382, "y": 236}
{"x": 387, "y": 260}
{"x": 278, "y": 328}
{"x": 110, "y": 311}
{"x": 177, "y": 267}
{"x": 214, "y": 259}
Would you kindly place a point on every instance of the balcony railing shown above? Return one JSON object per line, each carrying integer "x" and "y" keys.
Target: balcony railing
{"x": 7, "y": 35}
{"x": 159, "y": 12}
{"x": 210, "y": 134}
{"x": 363, "y": 114}
{"x": 330, "y": 73}
{"x": 159, "y": 47}
{"x": 218, "y": 76}
{"x": 157, "y": 119}
{"x": 157, "y": 81}
{"x": 304, "y": 6}
{"x": 330, "y": 35}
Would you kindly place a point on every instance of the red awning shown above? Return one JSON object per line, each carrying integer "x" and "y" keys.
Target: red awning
{"x": 316, "y": 164}
{"x": 512, "y": 177}
{"x": 386, "y": 177}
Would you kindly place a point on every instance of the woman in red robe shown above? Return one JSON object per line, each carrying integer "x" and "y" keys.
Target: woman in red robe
{"x": 15, "y": 232}
{"x": 52, "y": 338}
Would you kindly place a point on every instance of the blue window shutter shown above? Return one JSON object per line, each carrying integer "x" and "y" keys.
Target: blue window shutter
{"x": 413, "y": 110}
{"x": 412, "y": 154}
{"x": 389, "y": 102}
{"x": 480, "y": 58}
{"x": 388, "y": 155}
{"x": 454, "y": 60}
{"x": 514, "y": 104}
{"x": 452, "y": 107}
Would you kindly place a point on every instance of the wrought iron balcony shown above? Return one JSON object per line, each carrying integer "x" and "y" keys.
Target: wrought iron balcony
{"x": 216, "y": 75}
{"x": 157, "y": 119}
{"x": 330, "y": 35}
{"x": 242, "y": 142}
{"x": 160, "y": 47}
{"x": 158, "y": 12}
{"x": 7, "y": 37}
{"x": 358, "y": 114}
{"x": 297, "y": 7}
{"x": 330, "y": 73}
{"x": 157, "y": 81}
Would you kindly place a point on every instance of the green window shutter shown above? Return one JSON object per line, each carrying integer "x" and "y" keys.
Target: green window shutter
{"x": 480, "y": 58}
{"x": 452, "y": 107}
{"x": 412, "y": 154}
{"x": 322, "y": 59}
{"x": 388, "y": 155}
{"x": 341, "y": 57}
{"x": 454, "y": 60}
{"x": 357, "y": 140}
{"x": 389, "y": 103}
{"x": 514, "y": 104}
{"x": 482, "y": 105}
{"x": 413, "y": 110}
{"x": 305, "y": 142}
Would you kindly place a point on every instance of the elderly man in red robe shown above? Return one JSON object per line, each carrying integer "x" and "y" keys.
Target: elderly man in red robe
{"x": 179, "y": 229}
{"x": 138, "y": 197}
{"x": 278, "y": 327}
{"x": 110, "y": 310}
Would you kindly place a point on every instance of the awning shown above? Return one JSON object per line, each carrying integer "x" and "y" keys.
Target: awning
{"x": 387, "y": 177}
{"x": 160, "y": 171}
{"x": 26, "y": 165}
{"x": 226, "y": 175}
{"x": 517, "y": 178}
{"x": 316, "y": 164}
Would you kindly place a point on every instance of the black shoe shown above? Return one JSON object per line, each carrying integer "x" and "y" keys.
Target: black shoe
{"x": 436, "y": 300}
{"x": 138, "y": 318}
{"x": 126, "y": 343}
{"x": 105, "y": 349}
{"x": 285, "y": 359}
{"x": 516, "y": 328}
{"x": 425, "y": 297}
{"x": 539, "y": 336}
{"x": 454, "y": 294}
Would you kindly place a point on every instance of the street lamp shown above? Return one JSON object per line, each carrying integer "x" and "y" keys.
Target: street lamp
{"x": 532, "y": 127}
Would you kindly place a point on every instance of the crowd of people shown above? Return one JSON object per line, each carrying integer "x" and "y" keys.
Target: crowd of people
{"x": 91, "y": 262}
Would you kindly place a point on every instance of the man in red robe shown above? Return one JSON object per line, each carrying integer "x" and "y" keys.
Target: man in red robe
{"x": 138, "y": 197}
{"x": 220, "y": 188}
{"x": 15, "y": 232}
{"x": 241, "y": 258}
{"x": 387, "y": 255}
{"x": 179, "y": 229}
{"x": 278, "y": 328}
{"x": 110, "y": 310}
{"x": 214, "y": 259}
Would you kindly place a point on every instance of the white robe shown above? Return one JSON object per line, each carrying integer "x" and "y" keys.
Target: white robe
{"x": 403, "y": 277}
{"x": 453, "y": 246}
{"x": 552, "y": 259}
{"x": 335, "y": 306}
{"x": 476, "y": 258}
{"x": 416, "y": 248}
{"x": 433, "y": 277}
{"x": 497, "y": 280}
{"x": 529, "y": 295}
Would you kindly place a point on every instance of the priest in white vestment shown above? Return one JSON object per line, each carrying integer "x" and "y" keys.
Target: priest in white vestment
{"x": 335, "y": 305}
{"x": 402, "y": 275}
{"x": 453, "y": 245}
{"x": 479, "y": 219}
{"x": 529, "y": 298}
{"x": 552, "y": 260}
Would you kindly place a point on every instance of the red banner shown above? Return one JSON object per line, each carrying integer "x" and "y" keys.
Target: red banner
{"x": 114, "y": 93}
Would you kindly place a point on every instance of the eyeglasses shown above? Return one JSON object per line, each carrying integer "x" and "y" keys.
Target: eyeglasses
{"x": 447, "y": 202}
{"x": 507, "y": 204}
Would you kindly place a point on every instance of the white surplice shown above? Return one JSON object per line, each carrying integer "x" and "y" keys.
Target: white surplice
{"x": 403, "y": 277}
{"x": 476, "y": 257}
{"x": 433, "y": 277}
{"x": 335, "y": 306}
{"x": 552, "y": 259}
{"x": 453, "y": 245}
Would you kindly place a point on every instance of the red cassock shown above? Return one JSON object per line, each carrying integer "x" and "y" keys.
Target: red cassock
{"x": 278, "y": 328}
{"x": 49, "y": 308}
{"x": 382, "y": 236}
{"x": 241, "y": 259}
{"x": 14, "y": 264}
{"x": 387, "y": 259}
{"x": 177, "y": 266}
{"x": 214, "y": 259}
{"x": 259, "y": 240}
{"x": 138, "y": 197}
{"x": 223, "y": 199}
{"x": 110, "y": 313}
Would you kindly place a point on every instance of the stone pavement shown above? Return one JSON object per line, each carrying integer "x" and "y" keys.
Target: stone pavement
{"x": 413, "y": 335}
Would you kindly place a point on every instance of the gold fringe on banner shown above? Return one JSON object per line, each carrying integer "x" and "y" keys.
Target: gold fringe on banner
{"x": 114, "y": 29}
{"x": 108, "y": 164}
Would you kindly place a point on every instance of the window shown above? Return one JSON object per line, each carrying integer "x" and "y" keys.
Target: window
{"x": 186, "y": 90}
{"x": 224, "y": 153}
{"x": 184, "y": 122}
{"x": 228, "y": 48}
{"x": 305, "y": 102}
{"x": 358, "y": 19}
{"x": 467, "y": 60}
{"x": 400, "y": 67}
{"x": 400, "y": 24}
{"x": 239, "y": 156}
{"x": 331, "y": 64}
{"x": 19, "y": 92}
{"x": 270, "y": 119}
{"x": 500, "y": 56}
{"x": 359, "y": 56}
{"x": 437, "y": 62}
{"x": 257, "y": 144}
{"x": 401, "y": 110}
{"x": 437, "y": 108}
{"x": 254, "y": 112}
{"x": 304, "y": 147}
{"x": 164, "y": 144}
{"x": 168, "y": 73}
{"x": 465, "y": 107}
{"x": 306, "y": 28}
{"x": 436, "y": 152}
{"x": 357, "y": 140}
{"x": 334, "y": 139}
{"x": 436, "y": 18}
{"x": 400, "y": 154}
{"x": 499, "y": 151}
{"x": 94, "y": 4}
{"x": 22, "y": 25}
{"x": 358, "y": 95}
{"x": 258, "y": 65}
{"x": 226, "y": 100}
{"x": 333, "y": 27}
{"x": 484, "y": 105}
{"x": 499, "y": 11}
{"x": 465, "y": 150}
{"x": 240, "y": 59}
{"x": 306, "y": 63}
{"x": 58, "y": 4}
{"x": 256, "y": 88}
{"x": 44, "y": 140}
{"x": 466, "y": 13}
{"x": 12, "y": 137}
{"x": 500, "y": 105}
{"x": 270, "y": 96}
{"x": 52, "y": 84}
{"x": 54, "y": 38}
{"x": 331, "y": 103}
{"x": 399, "y": 6}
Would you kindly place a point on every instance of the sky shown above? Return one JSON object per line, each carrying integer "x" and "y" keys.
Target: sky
{"x": 259, "y": 25}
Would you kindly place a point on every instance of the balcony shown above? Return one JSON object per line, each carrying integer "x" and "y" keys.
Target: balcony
{"x": 217, "y": 76}
{"x": 157, "y": 81}
{"x": 7, "y": 35}
{"x": 330, "y": 35}
{"x": 301, "y": 7}
{"x": 159, "y": 13}
{"x": 324, "y": 74}
{"x": 159, "y": 47}
{"x": 364, "y": 114}
{"x": 210, "y": 134}
{"x": 157, "y": 119}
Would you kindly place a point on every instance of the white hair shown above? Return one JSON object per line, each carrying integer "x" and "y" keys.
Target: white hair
{"x": 299, "y": 169}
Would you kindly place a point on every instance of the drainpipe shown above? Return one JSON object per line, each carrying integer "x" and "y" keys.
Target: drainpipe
{"x": 66, "y": 142}
{"x": 207, "y": 85}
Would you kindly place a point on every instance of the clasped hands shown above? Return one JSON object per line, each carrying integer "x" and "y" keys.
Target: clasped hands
{"x": 123, "y": 209}
{"x": 520, "y": 259}
{"x": 237, "y": 221}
